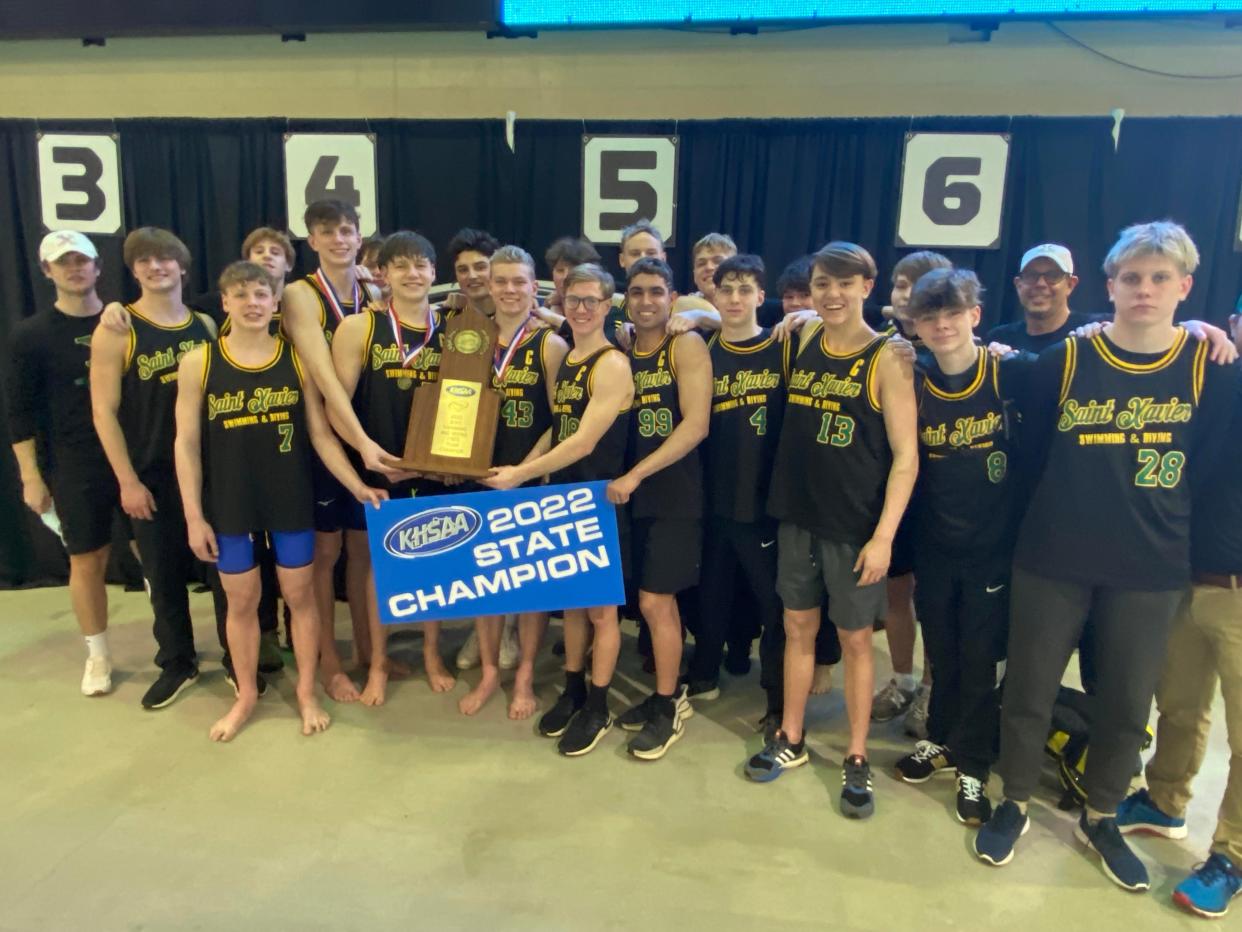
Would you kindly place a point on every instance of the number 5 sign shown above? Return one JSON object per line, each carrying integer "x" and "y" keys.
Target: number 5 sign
{"x": 80, "y": 182}
{"x": 627, "y": 178}
{"x": 953, "y": 190}
{"x": 336, "y": 166}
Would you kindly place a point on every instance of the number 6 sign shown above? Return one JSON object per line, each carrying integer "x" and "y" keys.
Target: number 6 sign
{"x": 337, "y": 166}
{"x": 953, "y": 190}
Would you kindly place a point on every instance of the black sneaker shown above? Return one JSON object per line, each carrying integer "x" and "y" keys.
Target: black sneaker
{"x": 663, "y": 729}
{"x": 996, "y": 838}
{"x": 584, "y": 732}
{"x": 637, "y": 716}
{"x": 777, "y": 756}
{"x": 927, "y": 760}
{"x": 704, "y": 690}
{"x": 857, "y": 799}
{"x": 552, "y": 723}
{"x": 168, "y": 686}
{"x": 229, "y": 677}
{"x": 973, "y": 806}
{"x": 1120, "y": 863}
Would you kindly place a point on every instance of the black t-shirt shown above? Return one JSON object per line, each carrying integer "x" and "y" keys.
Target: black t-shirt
{"x": 1216, "y": 515}
{"x": 50, "y": 394}
{"x": 1015, "y": 335}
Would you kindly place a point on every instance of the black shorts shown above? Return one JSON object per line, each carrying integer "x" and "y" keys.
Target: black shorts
{"x": 334, "y": 507}
{"x": 665, "y": 553}
{"x": 86, "y": 505}
{"x": 902, "y": 561}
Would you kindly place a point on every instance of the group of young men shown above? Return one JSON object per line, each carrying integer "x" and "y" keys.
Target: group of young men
{"x": 765, "y": 467}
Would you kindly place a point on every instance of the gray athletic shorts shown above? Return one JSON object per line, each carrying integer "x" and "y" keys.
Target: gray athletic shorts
{"x": 807, "y": 565}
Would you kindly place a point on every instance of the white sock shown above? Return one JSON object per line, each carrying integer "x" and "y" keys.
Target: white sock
{"x": 905, "y": 681}
{"x": 97, "y": 644}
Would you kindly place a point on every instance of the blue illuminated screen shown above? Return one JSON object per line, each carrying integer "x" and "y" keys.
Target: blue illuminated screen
{"x": 660, "y": 12}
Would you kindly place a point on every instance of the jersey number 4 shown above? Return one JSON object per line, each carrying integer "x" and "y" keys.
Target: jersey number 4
{"x": 835, "y": 429}
{"x": 1156, "y": 471}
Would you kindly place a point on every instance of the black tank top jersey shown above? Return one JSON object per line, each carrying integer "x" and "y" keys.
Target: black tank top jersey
{"x": 1112, "y": 506}
{"x": 327, "y": 317}
{"x": 964, "y": 503}
{"x": 257, "y": 451}
{"x": 524, "y": 412}
{"x": 833, "y": 459}
{"x": 386, "y": 385}
{"x": 575, "y": 383}
{"x": 676, "y": 491}
{"x": 149, "y": 388}
{"x": 749, "y": 380}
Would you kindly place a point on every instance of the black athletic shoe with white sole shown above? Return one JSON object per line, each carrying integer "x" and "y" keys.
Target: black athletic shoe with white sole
{"x": 552, "y": 723}
{"x": 924, "y": 762}
{"x": 170, "y": 684}
{"x": 584, "y": 732}
{"x": 636, "y": 717}
{"x": 663, "y": 729}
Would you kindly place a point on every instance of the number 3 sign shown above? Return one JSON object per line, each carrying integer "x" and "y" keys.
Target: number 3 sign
{"x": 336, "y": 166}
{"x": 80, "y": 182}
{"x": 953, "y": 190}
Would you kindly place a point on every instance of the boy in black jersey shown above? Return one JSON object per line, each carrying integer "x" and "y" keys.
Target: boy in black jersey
{"x": 1137, "y": 417}
{"x": 664, "y": 488}
{"x": 845, "y": 467}
{"x": 750, "y": 371}
{"x": 528, "y": 356}
{"x": 64, "y": 472}
{"x": 962, "y": 525}
{"x": 133, "y": 395}
{"x": 591, "y": 411}
{"x": 381, "y": 356}
{"x": 246, "y": 420}
{"x": 311, "y": 311}
{"x": 901, "y": 694}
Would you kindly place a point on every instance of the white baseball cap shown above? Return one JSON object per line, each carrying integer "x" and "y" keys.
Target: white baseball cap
{"x": 1054, "y": 251}
{"x": 60, "y": 242}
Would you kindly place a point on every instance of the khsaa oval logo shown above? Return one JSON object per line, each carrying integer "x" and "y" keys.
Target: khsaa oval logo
{"x": 436, "y": 530}
{"x": 461, "y": 391}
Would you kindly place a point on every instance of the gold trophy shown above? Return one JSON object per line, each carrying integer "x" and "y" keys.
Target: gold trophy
{"x": 453, "y": 421}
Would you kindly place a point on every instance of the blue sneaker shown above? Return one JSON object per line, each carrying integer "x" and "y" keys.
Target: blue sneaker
{"x": 1120, "y": 864}
{"x": 777, "y": 756}
{"x": 995, "y": 839}
{"x": 1208, "y": 890}
{"x": 1138, "y": 812}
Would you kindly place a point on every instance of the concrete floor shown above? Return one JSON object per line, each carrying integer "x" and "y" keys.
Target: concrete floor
{"x": 411, "y": 817}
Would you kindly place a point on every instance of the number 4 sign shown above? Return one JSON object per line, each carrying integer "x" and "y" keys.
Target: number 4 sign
{"x": 953, "y": 190}
{"x": 336, "y": 166}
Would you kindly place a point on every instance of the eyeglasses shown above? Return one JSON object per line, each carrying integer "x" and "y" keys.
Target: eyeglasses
{"x": 1052, "y": 277}
{"x": 573, "y": 302}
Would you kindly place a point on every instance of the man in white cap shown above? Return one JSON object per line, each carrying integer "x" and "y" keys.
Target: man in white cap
{"x": 1044, "y": 283}
{"x": 65, "y": 475}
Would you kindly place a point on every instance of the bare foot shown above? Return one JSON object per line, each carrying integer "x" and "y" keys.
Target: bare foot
{"x": 377, "y": 683}
{"x": 438, "y": 676}
{"x": 523, "y": 703}
{"x": 314, "y": 718}
{"x": 474, "y": 700}
{"x": 228, "y": 727}
{"x": 340, "y": 688}
{"x": 822, "y": 683}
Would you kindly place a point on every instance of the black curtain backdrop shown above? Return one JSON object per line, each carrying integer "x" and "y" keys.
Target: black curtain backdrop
{"x": 781, "y": 188}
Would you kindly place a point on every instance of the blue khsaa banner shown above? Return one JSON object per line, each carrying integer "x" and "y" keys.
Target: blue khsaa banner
{"x": 495, "y": 553}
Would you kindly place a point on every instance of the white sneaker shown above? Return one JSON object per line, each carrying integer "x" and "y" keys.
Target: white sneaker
{"x": 468, "y": 656}
{"x": 97, "y": 678}
{"x": 510, "y": 651}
